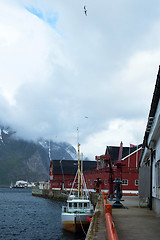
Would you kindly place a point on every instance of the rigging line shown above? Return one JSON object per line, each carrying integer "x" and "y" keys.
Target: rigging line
{"x": 73, "y": 183}
{"x": 82, "y": 224}
{"x": 85, "y": 187}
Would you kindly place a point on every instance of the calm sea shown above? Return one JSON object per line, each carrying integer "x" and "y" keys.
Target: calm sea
{"x": 25, "y": 217}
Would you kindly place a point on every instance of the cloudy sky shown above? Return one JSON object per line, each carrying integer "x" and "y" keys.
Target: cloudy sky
{"x": 61, "y": 69}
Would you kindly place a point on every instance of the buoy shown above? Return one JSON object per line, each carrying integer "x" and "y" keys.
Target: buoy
{"x": 90, "y": 219}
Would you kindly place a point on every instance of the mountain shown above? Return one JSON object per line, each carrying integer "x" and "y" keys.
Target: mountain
{"x": 28, "y": 160}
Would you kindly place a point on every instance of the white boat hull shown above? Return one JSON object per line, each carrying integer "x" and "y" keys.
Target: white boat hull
{"x": 75, "y": 222}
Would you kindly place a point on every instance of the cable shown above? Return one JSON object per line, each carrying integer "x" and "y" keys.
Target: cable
{"x": 82, "y": 224}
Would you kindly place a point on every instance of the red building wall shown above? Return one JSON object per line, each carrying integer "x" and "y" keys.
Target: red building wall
{"x": 130, "y": 176}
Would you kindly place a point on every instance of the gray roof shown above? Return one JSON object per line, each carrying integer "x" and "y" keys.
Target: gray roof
{"x": 71, "y": 166}
{"x": 114, "y": 151}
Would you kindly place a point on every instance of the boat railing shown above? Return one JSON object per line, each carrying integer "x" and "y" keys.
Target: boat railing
{"x": 73, "y": 210}
{"x": 84, "y": 197}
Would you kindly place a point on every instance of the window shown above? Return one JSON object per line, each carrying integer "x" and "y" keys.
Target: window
{"x": 75, "y": 205}
{"x": 158, "y": 173}
{"x": 90, "y": 182}
{"x": 80, "y": 205}
{"x": 105, "y": 182}
{"x": 124, "y": 181}
{"x": 70, "y": 204}
{"x": 136, "y": 182}
{"x": 85, "y": 205}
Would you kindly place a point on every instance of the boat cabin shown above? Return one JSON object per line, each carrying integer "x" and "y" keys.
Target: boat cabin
{"x": 78, "y": 205}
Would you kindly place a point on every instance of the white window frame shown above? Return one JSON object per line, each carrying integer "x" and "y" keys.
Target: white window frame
{"x": 124, "y": 181}
{"x": 136, "y": 182}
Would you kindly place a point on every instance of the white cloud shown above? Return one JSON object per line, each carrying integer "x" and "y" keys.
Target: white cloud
{"x": 59, "y": 68}
{"x": 115, "y": 131}
{"x": 30, "y": 51}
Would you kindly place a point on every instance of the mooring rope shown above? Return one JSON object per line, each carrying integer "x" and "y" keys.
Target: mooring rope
{"x": 82, "y": 224}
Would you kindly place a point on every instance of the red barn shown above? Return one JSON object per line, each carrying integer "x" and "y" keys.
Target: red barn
{"x": 62, "y": 172}
{"x": 96, "y": 173}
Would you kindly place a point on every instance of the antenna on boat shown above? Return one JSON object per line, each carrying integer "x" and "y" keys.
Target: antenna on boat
{"x": 77, "y": 135}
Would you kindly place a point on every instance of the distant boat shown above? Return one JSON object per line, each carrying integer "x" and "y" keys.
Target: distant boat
{"x": 77, "y": 214}
{"x": 21, "y": 184}
{"x": 11, "y": 185}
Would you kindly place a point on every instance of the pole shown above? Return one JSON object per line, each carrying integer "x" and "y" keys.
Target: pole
{"x": 78, "y": 169}
{"x": 81, "y": 174}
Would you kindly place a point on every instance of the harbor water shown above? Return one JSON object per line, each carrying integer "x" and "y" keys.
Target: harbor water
{"x": 23, "y": 216}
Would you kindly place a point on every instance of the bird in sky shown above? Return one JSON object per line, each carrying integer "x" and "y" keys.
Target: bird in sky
{"x": 85, "y": 10}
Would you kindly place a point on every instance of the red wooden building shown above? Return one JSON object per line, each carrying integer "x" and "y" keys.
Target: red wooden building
{"x": 96, "y": 173}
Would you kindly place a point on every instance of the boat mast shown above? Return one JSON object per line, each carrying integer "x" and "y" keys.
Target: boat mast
{"x": 78, "y": 163}
{"x": 78, "y": 169}
{"x": 81, "y": 174}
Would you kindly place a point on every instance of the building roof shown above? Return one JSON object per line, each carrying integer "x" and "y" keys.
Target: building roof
{"x": 71, "y": 166}
{"x": 153, "y": 108}
{"x": 114, "y": 151}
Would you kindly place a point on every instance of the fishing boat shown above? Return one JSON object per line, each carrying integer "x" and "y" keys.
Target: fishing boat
{"x": 77, "y": 214}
